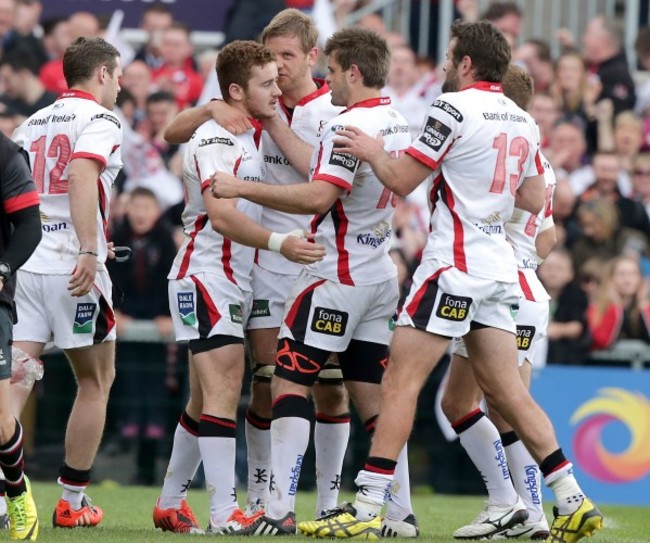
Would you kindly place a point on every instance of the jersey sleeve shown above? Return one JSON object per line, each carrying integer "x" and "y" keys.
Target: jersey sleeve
{"x": 216, "y": 154}
{"x": 440, "y": 129}
{"x": 333, "y": 166}
{"x": 18, "y": 188}
{"x": 99, "y": 139}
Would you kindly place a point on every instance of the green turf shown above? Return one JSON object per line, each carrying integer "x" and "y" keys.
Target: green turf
{"x": 128, "y": 516}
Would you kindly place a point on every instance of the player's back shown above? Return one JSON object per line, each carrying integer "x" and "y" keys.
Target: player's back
{"x": 75, "y": 126}
{"x": 357, "y": 230}
{"x": 481, "y": 147}
{"x": 213, "y": 148}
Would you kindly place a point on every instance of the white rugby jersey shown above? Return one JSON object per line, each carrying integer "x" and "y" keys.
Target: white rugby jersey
{"x": 521, "y": 231}
{"x": 357, "y": 230}
{"x": 489, "y": 145}
{"x": 412, "y": 104}
{"x": 211, "y": 149}
{"x": 307, "y": 121}
{"x": 75, "y": 126}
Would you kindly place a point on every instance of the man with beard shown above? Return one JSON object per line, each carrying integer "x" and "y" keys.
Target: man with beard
{"x": 210, "y": 292}
{"x": 481, "y": 151}
{"x": 303, "y": 110}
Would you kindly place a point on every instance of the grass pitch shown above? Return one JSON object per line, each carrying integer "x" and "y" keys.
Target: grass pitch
{"x": 128, "y": 510}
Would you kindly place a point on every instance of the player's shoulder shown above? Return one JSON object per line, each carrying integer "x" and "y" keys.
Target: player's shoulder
{"x": 454, "y": 104}
{"x": 212, "y": 134}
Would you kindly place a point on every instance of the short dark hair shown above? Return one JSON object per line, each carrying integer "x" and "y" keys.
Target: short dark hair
{"x": 364, "y": 48}
{"x": 518, "y": 86}
{"x": 144, "y": 192}
{"x": 542, "y": 48}
{"x": 157, "y": 7}
{"x": 21, "y": 58}
{"x": 236, "y": 61}
{"x": 160, "y": 96}
{"x": 485, "y": 45}
{"x": 84, "y": 56}
{"x": 497, "y": 10}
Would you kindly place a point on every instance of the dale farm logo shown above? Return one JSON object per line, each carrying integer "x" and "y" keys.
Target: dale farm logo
{"x": 611, "y": 406}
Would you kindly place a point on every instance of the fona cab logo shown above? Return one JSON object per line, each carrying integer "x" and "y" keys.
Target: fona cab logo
{"x": 613, "y": 407}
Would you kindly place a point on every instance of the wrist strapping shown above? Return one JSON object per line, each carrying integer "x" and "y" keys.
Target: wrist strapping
{"x": 276, "y": 239}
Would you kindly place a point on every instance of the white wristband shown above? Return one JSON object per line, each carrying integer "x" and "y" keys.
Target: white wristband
{"x": 276, "y": 240}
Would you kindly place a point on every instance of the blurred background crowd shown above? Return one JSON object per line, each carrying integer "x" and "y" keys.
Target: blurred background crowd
{"x": 592, "y": 105}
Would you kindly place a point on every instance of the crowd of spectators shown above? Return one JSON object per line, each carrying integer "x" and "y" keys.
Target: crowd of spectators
{"x": 594, "y": 124}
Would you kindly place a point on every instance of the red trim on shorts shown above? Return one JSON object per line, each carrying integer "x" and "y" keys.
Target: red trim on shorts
{"x": 459, "y": 236}
{"x": 22, "y": 201}
{"x": 469, "y": 415}
{"x": 374, "y": 469}
{"x": 213, "y": 312}
{"x": 226, "y": 255}
{"x": 199, "y": 225}
{"x": 293, "y": 312}
{"x": 412, "y": 308}
{"x": 341, "y": 226}
{"x": 525, "y": 287}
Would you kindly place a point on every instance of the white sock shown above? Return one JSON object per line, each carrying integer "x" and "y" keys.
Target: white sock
{"x": 526, "y": 478}
{"x": 3, "y": 503}
{"x": 568, "y": 493}
{"x": 258, "y": 447}
{"x": 73, "y": 494}
{"x": 331, "y": 436}
{"x": 217, "y": 444}
{"x": 289, "y": 440}
{"x": 480, "y": 439}
{"x": 183, "y": 463}
{"x": 398, "y": 503}
{"x": 371, "y": 495}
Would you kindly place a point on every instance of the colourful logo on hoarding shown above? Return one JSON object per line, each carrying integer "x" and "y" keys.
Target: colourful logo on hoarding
{"x": 613, "y": 405}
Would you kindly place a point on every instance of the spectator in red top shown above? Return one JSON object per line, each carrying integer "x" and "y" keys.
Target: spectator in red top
{"x": 56, "y": 38}
{"x": 622, "y": 307}
{"x": 177, "y": 75}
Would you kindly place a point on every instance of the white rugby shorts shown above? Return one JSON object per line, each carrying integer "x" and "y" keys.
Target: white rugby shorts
{"x": 270, "y": 291}
{"x": 48, "y": 312}
{"x": 531, "y": 321}
{"x": 205, "y": 305}
{"x": 328, "y": 315}
{"x": 445, "y": 301}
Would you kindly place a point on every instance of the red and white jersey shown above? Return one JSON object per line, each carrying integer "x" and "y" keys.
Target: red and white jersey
{"x": 357, "y": 230}
{"x": 412, "y": 104}
{"x": 214, "y": 149}
{"x": 480, "y": 146}
{"x": 307, "y": 121}
{"x": 75, "y": 126}
{"x": 521, "y": 231}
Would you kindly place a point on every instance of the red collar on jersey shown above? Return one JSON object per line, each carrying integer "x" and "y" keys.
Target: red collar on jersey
{"x": 323, "y": 88}
{"x": 76, "y": 93}
{"x": 372, "y": 102}
{"x": 489, "y": 86}
{"x": 256, "y": 124}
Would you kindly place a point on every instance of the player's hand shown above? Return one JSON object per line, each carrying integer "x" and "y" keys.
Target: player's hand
{"x": 302, "y": 250}
{"x": 224, "y": 185}
{"x": 83, "y": 276}
{"x": 355, "y": 141}
{"x": 111, "y": 252}
{"x": 229, "y": 117}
